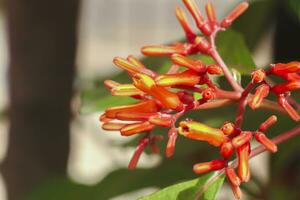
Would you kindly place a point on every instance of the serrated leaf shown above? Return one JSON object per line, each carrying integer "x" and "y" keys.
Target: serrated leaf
{"x": 188, "y": 190}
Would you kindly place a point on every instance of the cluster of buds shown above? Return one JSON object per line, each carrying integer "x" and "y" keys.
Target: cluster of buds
{"x": 230, "y": 140}
{"x": 289, "y": 72}
{"x": 163, "y": 98}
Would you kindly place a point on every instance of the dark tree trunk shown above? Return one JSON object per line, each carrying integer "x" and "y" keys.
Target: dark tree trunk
{"x": 42, "y": 40}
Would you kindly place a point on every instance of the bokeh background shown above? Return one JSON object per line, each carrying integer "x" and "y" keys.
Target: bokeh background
{"x": 53, "y": 58}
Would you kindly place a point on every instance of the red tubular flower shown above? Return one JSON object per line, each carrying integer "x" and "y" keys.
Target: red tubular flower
{"x": 236, "y": 191}
{"x": 135, "y": 128}
{"x": 202, "y": 45}
{"x": 190, "y": 34}
{"x": 195, "y": 11}
{"x": 235, "y": 13}
{"x": 148, "y": 106}
{"x": 209, "y": 166}
{"x": 211, "y": 14}
{"x": 160, "y": 50}
{"x": 282, "y": 101}
{"x": 285, "y": 87}
{"x": 243, "y": 162}
{"x": 138, "y": 151}
{"x": 261, "y": 92}
{"x": 214, "y": 70}
{"x": 281, "y": 69}
{"x": 242, "y": 139}
{"x": 291, "y": 77}
{"x": 232, "y": 177}
{"x": 187, "y": 78}
{"x": 199, "y": 131}
{"x": 171, "y": 142}
{"x": 261, "y": 138}
{"x": 228, "y": 128}
{"x": 226, "y": 150}
{"x": 167, "y": 99}
{"x": 258, "y": 76}
{"x": 181, "y": 60}
{"x": 266, "y": 124}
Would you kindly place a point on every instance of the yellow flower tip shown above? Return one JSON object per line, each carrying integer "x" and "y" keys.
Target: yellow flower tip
{"x": 126, "y": 90}
{"x": 143, "y": 82}
{"x": 186, "y": 78}
{"x": 111, "y": 84}
{"x": 208, "y": 166}
{"x": 110, "y": 126}
{"x": 190, "y": 34}
{"x": 135, "y": 61}
{"x": 160, "y": 50}
{"x": 202, "y": 132}
{"x": 243, "y": 162}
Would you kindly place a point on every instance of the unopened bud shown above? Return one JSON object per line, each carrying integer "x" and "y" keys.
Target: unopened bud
{"x": 261, "y": 93}
{"x": 269, "y": 122}
{"x": 242, "y": 139}
{"x": 214, "y": 70}
{"x": 261, "y": 138}
{"x": 209, "y": 166}
{"x": 235, "y": 13}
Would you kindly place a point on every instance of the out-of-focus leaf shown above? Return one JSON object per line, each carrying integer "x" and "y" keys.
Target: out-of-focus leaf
{"x": 188, "y": 190}
{"x": 234, "y": 51}
{"x": 258, "y": 18}
{"x": 295, "y": 7}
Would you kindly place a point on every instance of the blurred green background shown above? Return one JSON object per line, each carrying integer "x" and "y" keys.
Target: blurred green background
{"x": 54, "y": 56}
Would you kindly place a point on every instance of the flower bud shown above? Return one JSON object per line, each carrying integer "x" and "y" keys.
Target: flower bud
{"x": 232, "y": 177}
{"x": 202, "y": 132}
{"x": 261, "y": 138}
{"x": 135, "y": 128}
{"x": 258, "y": 76}
{"x": 190, "y": 34}
{"x": 236, "y": 191}
{"x": 203, "y": 45}
{"x": 242, "y": 139}
{"x": 160, "y": 50}
{"x": 208, "y": 94}
{"x": 187, "y": 78}
{"x": 134, "y": 116}
{"x": 214, "y": 70}
{"x": 261, "y": 92}
{"x": 282, "y": 101}
{"x": 243, "y": 162}
{"x": 226, "y": 150}
{"x": 228, "y": 128}
{"x": 235, "y": 13}
{"x": 211, "y": 14}
{"x": 184, "y": 61}
{"x": 209, "y": 166}
{"x": 269, "y": 122}
{"x": 171, "y": 142}
{"x": 148, "y": 106}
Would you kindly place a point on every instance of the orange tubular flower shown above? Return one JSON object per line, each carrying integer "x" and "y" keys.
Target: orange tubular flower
{"x": 190, "y": 34}
{"x": 211, "y": 14}
{"x": 261, "y": 138}
{"x": 214, "y": 70}
{"x": 209, "y": 166}
{"x": 203, "y": 45}
{"x": 111, "y": 126}
{"x": 167, "y": 99}
{"x": 135, "y": 128}
{"x": 266, "y": 124}
{"x": 242, "y": 139}
{"x": 282, "y": 101}
{"x": 281, "y": 69}
{"x": 125, "y": 90}
{"x": 159, "y": 119}
{"x": 145, "y": 106}
{"x": 109, "y": 84}
{"x": 160, "y": 50}
{"x": 243, "y": 162}
{"x": 258, "y": 76}
{"x": 199, "y": 131}
{"x": 235, "y": 13}
{"x": 236, "y": 191}
{"x": 194, "y": 65}
{"x": 135, "y": 61}
{"x": 232, "y": 177}
{"x": 134, "y": 116}
{"x": 261, "y": 92}
{"x": 195, "y": 12}
{"x": 187, "y": 78}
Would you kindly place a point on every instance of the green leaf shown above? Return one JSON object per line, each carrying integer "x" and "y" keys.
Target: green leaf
{"x": 188, "y": 190}
{"x": 295, "y": 7}
{"x": 234, "y": 51}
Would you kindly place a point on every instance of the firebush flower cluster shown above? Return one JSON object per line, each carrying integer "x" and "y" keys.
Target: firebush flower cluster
{"x": 163, "y": 98}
